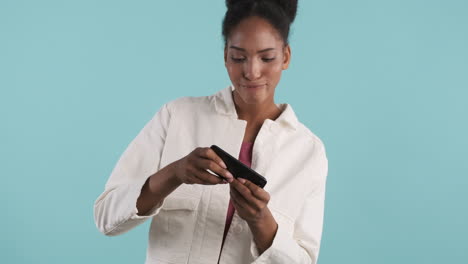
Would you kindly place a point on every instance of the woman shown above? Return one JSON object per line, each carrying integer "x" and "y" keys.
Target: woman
{"x": 197, "y": 217}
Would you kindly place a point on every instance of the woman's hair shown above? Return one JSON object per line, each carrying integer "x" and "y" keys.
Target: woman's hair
{"x": 279, "y": 13}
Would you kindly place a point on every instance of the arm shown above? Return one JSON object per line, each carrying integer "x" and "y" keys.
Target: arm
{"x": 156, "y": 189}
{"x": 303, "y": 244}
{"x": 116, "y": 210}
{"x": 264, "y": 231}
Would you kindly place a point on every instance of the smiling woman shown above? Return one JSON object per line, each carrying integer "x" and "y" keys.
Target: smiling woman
{"x": 198, "y": 217}
{"x": 255, "y": 56}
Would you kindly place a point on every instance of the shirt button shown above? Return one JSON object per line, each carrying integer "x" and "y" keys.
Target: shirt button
{"x": 237, "y": 229}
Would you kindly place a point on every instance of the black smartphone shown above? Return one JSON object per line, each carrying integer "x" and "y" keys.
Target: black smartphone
{"x": 239, "y": 169}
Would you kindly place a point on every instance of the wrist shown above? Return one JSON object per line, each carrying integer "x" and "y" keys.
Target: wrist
{"x": 264, "y": 232}
{"x": 173, "y": 179}
{"x": 165, "y": 177}
{"x": 266, "y": 221}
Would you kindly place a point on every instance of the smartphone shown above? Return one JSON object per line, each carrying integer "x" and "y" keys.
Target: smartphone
{"x": 239, "y": 169}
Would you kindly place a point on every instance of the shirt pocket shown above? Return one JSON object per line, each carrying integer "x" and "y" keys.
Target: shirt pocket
{"x": 172, "y": 230}
{"x": 180, "y": 203}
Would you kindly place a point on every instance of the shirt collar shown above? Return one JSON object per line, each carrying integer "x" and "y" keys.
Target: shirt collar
{"x": 224, "y": 104}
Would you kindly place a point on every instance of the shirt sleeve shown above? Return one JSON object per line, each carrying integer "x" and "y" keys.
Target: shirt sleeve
{"x": 115, "y": 210}
{"x": 302, "y": 246}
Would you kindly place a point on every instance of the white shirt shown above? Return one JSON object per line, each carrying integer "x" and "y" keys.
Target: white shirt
{"x": 188, "y": 226}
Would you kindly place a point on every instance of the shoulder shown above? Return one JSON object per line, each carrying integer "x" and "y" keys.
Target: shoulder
{"x": 187, "y": 103}
{"x": 315, "y": 160}
{"x": 310, "y": 138}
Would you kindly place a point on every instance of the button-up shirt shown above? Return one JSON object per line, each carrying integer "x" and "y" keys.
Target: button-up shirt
{"x": 188, "y": 225}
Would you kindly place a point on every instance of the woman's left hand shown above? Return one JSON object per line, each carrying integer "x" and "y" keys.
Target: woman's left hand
{"x": 250, "y": 201}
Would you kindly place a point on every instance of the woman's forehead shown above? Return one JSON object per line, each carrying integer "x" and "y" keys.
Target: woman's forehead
{"x": 254, "y": 34}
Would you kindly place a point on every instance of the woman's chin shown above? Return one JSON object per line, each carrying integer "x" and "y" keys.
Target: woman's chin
{"x": 254, "y": 96}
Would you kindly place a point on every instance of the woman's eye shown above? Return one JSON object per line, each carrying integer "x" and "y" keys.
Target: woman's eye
{"x": 237, "y": 59}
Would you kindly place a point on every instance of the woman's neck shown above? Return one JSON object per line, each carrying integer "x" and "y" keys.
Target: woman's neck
{"x": 256, "y": 113}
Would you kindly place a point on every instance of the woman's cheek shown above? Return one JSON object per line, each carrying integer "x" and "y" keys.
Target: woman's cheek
{"x": 233, "y": 71}
{"x": 278, "y": 67}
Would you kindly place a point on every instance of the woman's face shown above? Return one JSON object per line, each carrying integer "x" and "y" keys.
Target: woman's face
{"x": 254, "y": 57}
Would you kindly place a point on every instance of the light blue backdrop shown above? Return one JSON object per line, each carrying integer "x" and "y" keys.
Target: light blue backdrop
{"x": 383, "y": 83}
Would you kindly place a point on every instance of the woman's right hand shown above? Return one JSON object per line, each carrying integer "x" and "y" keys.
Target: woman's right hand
{"x": 192, "y": 169}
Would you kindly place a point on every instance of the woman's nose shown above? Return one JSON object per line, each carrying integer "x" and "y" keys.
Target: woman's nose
{"x": 252, "y": 70}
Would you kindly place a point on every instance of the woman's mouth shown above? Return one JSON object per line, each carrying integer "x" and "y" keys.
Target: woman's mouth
{"x": 254, "y": 86}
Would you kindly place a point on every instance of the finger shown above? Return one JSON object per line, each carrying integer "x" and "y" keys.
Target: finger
{"x": 237, "y": 184}
{"x": 214, "y": 167}
{"x": 216, "y": 175}
{"x": 192, "y": 179}
{"x": 208, "y": 178}
{"x": 238, "y": 200}
{"x": 256, "y": 191}
{"x": 246, "y": 194}
{"x": 193, "y": 176}
{"x": 208, "y": 153}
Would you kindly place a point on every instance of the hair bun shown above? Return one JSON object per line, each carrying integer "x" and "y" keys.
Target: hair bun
{"x": 288, "y": 6}
{"x": 231, "y": 3}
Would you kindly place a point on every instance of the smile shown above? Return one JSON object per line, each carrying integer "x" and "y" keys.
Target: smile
{"x": 254, "y": 86}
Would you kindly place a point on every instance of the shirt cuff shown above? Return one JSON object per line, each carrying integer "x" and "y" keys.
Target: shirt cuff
{"x": 154, "y": 211}
{"x": 281, "y": 241}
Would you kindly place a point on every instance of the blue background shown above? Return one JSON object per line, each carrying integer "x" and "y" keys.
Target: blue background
{"x": 383, "y": 83}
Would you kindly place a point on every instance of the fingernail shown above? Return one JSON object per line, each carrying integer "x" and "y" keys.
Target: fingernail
{"x": 223, "y": 165}
{"x": 242, "y": 180}
{"x": 229, "y": 175}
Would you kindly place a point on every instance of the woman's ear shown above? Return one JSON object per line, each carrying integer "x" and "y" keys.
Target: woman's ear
{"x": 286, "y": 56}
